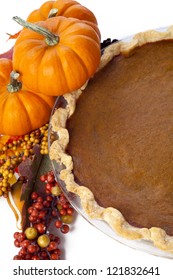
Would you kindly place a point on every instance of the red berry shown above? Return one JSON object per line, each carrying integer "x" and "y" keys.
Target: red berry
{"x": 50, "y": 178}
{"x": 38, "y": 221}
{"x": 25, "y": 243}
{"x": 52, "y": 236}
{"x": 32, "y": 218}
{"x": 48, "y": 186}
{"x": 58, "y": 224}
{"x": 46, "y": 204}
{"x": 21, "y": 236}
{"x": 28, "y": 257}
{"x": 52, "y": 246}
{"x": 57, "y": 251}
{"x": 66, "y": 205}
{"x": 70, "y": 211}
{"x": 54, "y": 213}
{"x": 47, "y": 192}
{"x": 22, "y": 252}
{"x": 65, "y": 229}
{"x": 42, "y": 214}
{"x": 54, "y": 256}
{"x": 41, "y": 228}
{"x": 34, "y": 195}
{"x": 43, "y": 254}
{"x": 34, "y": 213}
{"x": 35, "y": 258}
{"x": 32, "y": 248}
{"x": 16, "y": 234}
{"x": 49, "y": 198}
{"x": 17, "y": 258}
{"x": 38, "y": 205}
{"x": 17, "y": 243}
{"x": 57, "y": 239}
{"x": 63, "y": 212}
{"x": 43, "y": 178}
{"x": 30, "y": 209}
{"x": 62, "y": 200}
{"x": 16, "y": 170}
{"x": 39, "y": 199}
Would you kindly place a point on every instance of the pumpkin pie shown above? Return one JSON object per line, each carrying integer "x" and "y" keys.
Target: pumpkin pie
{"x": 115, "y": 139}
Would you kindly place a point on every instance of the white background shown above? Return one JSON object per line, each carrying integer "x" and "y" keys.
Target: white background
{"x": 117, "y": 19}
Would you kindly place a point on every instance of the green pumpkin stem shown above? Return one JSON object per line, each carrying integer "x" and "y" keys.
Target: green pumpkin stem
{"x": 14, "y": 85}
{"x": 50, "y": 38}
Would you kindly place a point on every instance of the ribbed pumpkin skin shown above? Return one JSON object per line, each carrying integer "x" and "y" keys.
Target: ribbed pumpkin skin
{"x": 22, "y": 111}
{"x": 66, "y": 8}
{"x": 64, "y": 67}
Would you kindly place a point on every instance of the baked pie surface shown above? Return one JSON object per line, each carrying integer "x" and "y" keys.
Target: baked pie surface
{"x": 115, "y": 139}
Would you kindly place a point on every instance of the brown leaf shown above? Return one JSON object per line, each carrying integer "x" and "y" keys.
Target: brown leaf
{"x": 29, "y": 168}
{"x": 32, "y": 169}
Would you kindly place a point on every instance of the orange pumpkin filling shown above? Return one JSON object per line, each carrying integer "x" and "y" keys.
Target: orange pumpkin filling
{"x": 121, "y": 136}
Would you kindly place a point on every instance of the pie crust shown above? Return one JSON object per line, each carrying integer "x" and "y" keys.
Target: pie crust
{"x": 58, "y": 153}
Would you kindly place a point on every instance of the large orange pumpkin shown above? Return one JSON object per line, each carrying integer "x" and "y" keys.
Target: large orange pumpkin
{"x": 66, "y": 8}
{"x": 63, "y": 61}
{"x": 21, "y": 110}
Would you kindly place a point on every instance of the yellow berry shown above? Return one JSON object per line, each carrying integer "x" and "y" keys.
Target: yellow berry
{"x": 56, "y": 191}
{"x": 31, "y": 233}
{"x": 43, "y": 240}
{"x": 67, "y": 219}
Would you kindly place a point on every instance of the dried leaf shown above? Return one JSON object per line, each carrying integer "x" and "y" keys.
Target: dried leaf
{"x": 12, "y": 180}
{"x": 15, "y": 203}
{"x": 13, "y": 36}
{"x": 29, "y": 169}
{"x": 8, "y": 54}
{"x": 32, "y": 169}
{"x": 19, "y": 197}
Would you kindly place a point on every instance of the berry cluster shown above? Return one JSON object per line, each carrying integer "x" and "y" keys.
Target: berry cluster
{"x": 105, "y": 43}
{"x": 16, "y": 150}
{"x": 36, "y": 247}
{"x": 50, "y": 207}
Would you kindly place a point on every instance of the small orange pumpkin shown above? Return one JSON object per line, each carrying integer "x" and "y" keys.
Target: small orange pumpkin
{"x": 21, "y": 110}
{"x": 65, "y": 8}
{"x": 63, "y": 61}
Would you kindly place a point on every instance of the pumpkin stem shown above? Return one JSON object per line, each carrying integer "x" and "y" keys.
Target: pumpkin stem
{"x": 14, "y": 85}
{"x": 51, "y": 38}
{"x": 53, "y": 13}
